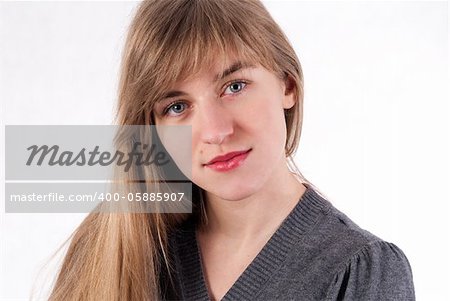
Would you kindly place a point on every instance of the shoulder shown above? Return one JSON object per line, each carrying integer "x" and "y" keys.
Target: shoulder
{"x": 378, "y": 271}
{"x": 343, "y": 234}
{"x": 364, "y": 266}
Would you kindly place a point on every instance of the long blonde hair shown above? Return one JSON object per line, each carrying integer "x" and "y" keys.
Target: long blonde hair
{"x": 119, "y": 256}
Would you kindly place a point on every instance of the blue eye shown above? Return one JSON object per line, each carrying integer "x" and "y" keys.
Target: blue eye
{"x": 236, "y": 87}
{"x": 176, "y": 107}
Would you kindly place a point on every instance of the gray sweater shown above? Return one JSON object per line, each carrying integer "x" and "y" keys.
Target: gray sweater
{"x": 317, "y": 253}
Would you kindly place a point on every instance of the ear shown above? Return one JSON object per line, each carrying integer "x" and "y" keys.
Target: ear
{"x": 289, "y": 92}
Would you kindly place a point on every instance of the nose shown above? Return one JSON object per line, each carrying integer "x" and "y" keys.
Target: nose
{"x": 215, "y": 123}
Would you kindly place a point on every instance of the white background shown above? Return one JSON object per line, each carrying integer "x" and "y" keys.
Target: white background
{"x": 376, "y": 124}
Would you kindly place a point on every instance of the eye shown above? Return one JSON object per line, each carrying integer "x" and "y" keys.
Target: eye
{"x": 235, "y": 87}
{"x": 176, "y": 107}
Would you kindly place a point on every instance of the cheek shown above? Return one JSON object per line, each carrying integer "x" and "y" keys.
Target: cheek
{"x": 264, "y": 112}
{"x": 268, "y": 124}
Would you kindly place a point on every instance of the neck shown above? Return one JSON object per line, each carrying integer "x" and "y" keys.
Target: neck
{"x": 257, "y": 216}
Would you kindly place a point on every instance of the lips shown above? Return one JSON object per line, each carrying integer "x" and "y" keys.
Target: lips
{"x": 226, "y": 157}
{"x": 235, "y": 159}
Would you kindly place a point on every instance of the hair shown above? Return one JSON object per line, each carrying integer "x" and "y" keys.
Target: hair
{"x": 120, "y": 256}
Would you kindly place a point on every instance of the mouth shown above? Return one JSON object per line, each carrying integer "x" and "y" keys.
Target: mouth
{"x": 228, "y": 161}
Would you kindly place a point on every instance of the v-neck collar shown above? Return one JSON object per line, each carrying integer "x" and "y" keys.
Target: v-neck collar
{"x": 298, "y": 222}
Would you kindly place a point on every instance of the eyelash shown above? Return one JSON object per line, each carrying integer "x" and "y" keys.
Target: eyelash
{"x": 227, "y": 85}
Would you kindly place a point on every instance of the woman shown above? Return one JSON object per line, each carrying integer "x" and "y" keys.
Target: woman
{"x": 259, "y": 230}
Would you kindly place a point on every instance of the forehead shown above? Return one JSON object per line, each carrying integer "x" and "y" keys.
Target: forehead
{"x": 215, "y": 64}
{"x": 219, "y": 72}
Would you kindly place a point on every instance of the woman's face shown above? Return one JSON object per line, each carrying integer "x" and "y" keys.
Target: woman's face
{"x": 239, "y": 109}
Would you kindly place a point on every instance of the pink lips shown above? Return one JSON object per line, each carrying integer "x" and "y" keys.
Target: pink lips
{"x": 228, "y": 161}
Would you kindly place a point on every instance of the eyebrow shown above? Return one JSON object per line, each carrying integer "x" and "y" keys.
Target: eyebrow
{"x": 236, "y": 66}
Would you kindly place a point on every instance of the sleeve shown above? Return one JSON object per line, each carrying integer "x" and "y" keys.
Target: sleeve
{"x": 378, "y": 271}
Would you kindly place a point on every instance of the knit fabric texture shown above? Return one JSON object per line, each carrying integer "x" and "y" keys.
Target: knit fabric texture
{"x": 317, "y": 253}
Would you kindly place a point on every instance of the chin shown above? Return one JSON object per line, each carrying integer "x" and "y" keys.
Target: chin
{"x": 233, "y": 196}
